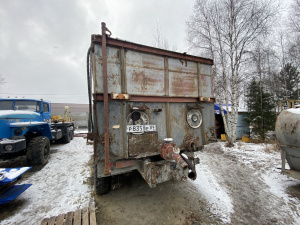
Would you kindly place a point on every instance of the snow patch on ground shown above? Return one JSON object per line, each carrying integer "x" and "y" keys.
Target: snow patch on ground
{"x": 266, "y": 160}
{"x": 13, "y": 173}
{"x": 59, "y": 187}
{"x": 214, "y": 193}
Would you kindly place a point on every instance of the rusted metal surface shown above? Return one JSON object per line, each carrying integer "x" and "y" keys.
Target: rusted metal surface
{"x": 142, "y": 145}
{"x": 105, "y": 100}
{"x": 147, "y": 49}
{"x": 206, "y": 86}
{"x": 126, "y": 163}
{"x": 169, "y": 151}
{"x": 161, "y": 86}
{"x": 192, "y": 174}
{"x": 162, "y": 171}
{"x": 180, "y": 85}
{"x": 114, "y": 66}
{"x": 287, "y": 132}
{"x": 190, "y": 143}
{"x": 143, "y": 74}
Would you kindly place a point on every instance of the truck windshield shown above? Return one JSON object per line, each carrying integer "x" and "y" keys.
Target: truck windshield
{"x": 6, "y": 105}
{"x": 27, "y": 105}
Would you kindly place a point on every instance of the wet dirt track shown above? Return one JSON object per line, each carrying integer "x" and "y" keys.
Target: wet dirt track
{"x": 240, "y": 176}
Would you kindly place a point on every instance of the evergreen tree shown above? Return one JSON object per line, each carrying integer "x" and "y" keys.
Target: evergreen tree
{"x": 261, "y": 109}
{"x": 289, "y": 82}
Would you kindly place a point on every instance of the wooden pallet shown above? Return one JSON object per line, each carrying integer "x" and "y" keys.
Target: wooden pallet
{"x": 84, "y": 216}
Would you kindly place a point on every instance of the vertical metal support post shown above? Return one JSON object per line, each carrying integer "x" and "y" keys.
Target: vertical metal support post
{"x": 283, "y": 158}
{"x": 167, "y": 93}
{"x": 105, "y": 101}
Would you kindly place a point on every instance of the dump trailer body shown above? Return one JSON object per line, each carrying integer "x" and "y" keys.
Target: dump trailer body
{"x": 144, "y": 96}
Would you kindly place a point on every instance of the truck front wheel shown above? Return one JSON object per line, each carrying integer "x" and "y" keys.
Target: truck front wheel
{"x": 38, "y": 151}
{"x": 102, "y": 184}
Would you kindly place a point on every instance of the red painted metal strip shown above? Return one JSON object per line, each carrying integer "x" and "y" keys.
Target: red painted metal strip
{"x": 127, "y": 163}
{"x": 138, "y": 98}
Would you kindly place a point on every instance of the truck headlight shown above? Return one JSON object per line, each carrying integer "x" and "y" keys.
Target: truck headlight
{"x": 8, "y": 147}
{"x": 18, "y": 131}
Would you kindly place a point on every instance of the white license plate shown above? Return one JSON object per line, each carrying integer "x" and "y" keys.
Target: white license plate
{"x": 135, "y": 128}
{"x": 140, "y": 128}
{"x": 149, "y": 128}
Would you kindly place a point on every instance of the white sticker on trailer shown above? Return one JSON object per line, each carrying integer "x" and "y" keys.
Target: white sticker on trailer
{"x": 149, "y": 128}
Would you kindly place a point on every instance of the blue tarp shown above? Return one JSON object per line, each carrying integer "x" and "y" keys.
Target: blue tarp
{"x": 218, "y": 109}
{"x": 13, "y": 193}
{"x": 7, "y": 177}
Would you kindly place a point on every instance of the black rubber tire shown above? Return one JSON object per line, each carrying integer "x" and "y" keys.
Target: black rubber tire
{"x": 72, "y": 134}
{"x": 38, "y": 151}
{"x": 102, "y": 184}
{"x": 117, "y": 182}
{"x": 67, "y": 138}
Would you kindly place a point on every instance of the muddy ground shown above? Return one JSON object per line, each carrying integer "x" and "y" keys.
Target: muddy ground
{"x": 236, "y": 186}
{"x": 242, "y": 177}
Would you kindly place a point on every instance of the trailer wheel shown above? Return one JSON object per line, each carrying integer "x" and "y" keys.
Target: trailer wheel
{"x": 38, "y": 151}
{"x": 67, "y": 138}
{"x": 102, "y": 184}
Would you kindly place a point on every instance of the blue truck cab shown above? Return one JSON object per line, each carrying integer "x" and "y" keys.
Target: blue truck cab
{"x": 26, "y": 129}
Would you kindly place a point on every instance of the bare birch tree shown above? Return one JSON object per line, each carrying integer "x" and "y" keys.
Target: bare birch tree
{"x": 160, "y": 41}
{"x": 225, "y": 30}
{"x": 294, "y": 34}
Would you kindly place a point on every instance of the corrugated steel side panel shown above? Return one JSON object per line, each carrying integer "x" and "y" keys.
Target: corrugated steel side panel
{"x": 152, "y": 75}
{"x": 113, "y": 70}
{"x": 145, "y": 74}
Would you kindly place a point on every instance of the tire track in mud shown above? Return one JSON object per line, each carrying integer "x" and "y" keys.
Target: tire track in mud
{"x": 253, "y": 203}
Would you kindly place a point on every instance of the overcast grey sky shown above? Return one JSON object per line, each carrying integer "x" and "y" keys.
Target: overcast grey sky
{"x": 43, "y": 43}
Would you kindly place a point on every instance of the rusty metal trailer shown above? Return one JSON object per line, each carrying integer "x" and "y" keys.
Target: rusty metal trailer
{"x": 153, "y": 110}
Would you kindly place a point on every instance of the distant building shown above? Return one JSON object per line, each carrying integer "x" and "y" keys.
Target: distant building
{"x": 242, "y": 126}
{"x": 78, "y": 112}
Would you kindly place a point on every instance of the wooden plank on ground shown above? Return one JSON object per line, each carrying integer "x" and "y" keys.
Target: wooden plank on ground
{"x": 69, "y": 218}
{"x": 60, "y": 219}
{"x": 77, "y": 217}
{"x": 44, "y": 221}
{"x": 51, "y": 221}
{"x": 92, "y": 216}
{"x": 85, "y": 216}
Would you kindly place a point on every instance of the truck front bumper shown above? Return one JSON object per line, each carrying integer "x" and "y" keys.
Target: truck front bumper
{"x": 9, "y": 146}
